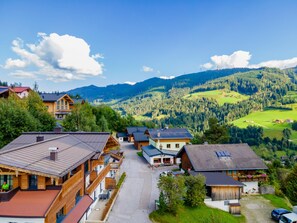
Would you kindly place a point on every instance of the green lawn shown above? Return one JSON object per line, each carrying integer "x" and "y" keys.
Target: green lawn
{"x": 266, "y": 119}
{"x": 202, "y": 214}
{"x": 221, "y": 96}
{"x": 278, "y": 202}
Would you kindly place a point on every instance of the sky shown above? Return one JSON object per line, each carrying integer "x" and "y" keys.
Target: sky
{"x": 64, "y": 45}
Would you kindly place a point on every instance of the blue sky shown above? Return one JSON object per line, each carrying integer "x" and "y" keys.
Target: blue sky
{"x": 68, "y": 44}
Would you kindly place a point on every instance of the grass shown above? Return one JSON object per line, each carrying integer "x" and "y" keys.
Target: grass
{"x": 202, "y": 214}
{"x": 221, "y": 96}
{"x": 121, "y": 180}
{"x": 266, "y": 119}
{"x": 140, "y": 154}
{"x": 278, "y": 202}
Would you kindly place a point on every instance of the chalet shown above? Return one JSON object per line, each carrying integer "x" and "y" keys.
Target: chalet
{"x": 58, "y": 104}
{"x": 140, "y": 140}
{"x": 235, "y": 160}
{"x": 56, "y": 177}
{"x": 122, "y": 136}
{"x": 164, "y": 144}
{"x": 22, "y": 92}
{"x": 131, "y": 130}
{"x": 229, "y": 169}
{"x": 4, "y": 91}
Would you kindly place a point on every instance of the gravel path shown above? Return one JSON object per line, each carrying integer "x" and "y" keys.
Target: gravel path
{"x": 256, "y": 209}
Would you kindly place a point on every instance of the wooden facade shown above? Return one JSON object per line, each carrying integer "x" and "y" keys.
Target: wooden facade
{"x": 225, "y": 193}
{"x": 139, "y": 145}
{"x": 72, "y": 185}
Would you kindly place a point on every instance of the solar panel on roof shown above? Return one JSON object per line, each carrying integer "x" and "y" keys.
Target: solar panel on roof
{"x": 223, "y": 154}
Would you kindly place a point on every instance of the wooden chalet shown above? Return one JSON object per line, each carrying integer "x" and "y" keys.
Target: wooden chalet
{"x": 235, "y": 160}
{"x": 131, "y": 130}
{"x": 229, "y": 169}
{"x": 140, "y": 140}
{"x": 58, "y": 104}
{"x": 56, "y": 177}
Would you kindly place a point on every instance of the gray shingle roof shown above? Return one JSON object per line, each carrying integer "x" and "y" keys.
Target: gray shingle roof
{"x": 151, "y": 151}
{"x": 140, "y": 137}
{"x": 218, "y": 179}
{"x": 131, "y": 130}
{"x": 170, "y": 133}
{"x": 51, "y": 96}
{"x": 3, "y": 89}
{"x": 74, "y": 149}
{"x": 204, "y": 157}
{"x": 95, "y": 140}
{"x": 71, "y": 153}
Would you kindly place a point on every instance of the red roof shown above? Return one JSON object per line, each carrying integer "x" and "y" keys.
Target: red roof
{"x": 78, "y": 211}
{"x": 28, "y": 204}
{"x": 20, "y": 89}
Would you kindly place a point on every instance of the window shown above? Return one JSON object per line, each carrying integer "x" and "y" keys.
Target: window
{"x": 229, "y": 172}
{"x": 168, "y": 146}
{"x": 32, "y": 182}
{"x": 86, "y": 166}
{"x": 177, "y": 145}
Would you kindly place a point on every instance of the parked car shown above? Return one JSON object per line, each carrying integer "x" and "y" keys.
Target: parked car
{"x": 288, "y": 218}
{"x": 166, "y": 173}
{"x": 277, "y": 213}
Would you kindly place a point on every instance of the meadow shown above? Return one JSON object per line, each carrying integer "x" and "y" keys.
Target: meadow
{"x": 221, "y": 96}
{"x": 273, "y": 121}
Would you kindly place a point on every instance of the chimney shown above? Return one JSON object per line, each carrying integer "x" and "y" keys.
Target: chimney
{"x": 39, "y": 138}
{"x": 158, "y": 134}
{"x": 53, "y": 153}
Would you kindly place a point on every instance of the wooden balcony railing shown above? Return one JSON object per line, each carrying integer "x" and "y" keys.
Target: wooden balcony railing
{"x": 72, "y": 182}
{"x": 117, "y": 165}
{"x": 251, "y": 178}
{"x": 98, "y": 179}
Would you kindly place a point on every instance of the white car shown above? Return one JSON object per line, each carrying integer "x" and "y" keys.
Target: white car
{"x": 288, "y": 218}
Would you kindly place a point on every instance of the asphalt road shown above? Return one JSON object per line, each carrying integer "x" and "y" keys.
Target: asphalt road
{"x": 139, "y": 191}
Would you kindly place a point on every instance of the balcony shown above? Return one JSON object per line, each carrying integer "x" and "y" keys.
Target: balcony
{"x": 251, "y": 178}
{"x": 72, "y": 182}
{"x": 6, "y": 196}
{"x": 98, "y": 179}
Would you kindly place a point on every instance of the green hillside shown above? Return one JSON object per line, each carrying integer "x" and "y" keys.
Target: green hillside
{"x": 273, "y": 121}
{"x": 221, "y": 96}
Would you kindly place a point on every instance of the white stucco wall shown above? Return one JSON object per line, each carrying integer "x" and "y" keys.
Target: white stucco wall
{"x": 219, "y": 204}
{"x": 21, "y": 220}
{"x": 251, "y": 187}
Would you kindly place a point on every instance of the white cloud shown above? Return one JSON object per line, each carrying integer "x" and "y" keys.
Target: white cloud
{"x": 17, "y": 63}
{"x": 130, "y": 82}
{"x": 167, "y": 77}
{"x": 59, "y": 57}
{"x": 282, "y": 64}
{"x": 23, "y": 74}
{"x": 147, "y": 69}
{"x": 237, "y": 59}
{"x": 241, "y": 59}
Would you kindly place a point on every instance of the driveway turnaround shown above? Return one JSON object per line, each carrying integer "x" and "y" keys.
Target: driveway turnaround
{"x": 256, "y": 209}
{"x": 139, "y": 191}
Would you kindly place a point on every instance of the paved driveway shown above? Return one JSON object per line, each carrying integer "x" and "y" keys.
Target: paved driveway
{"x": 137, "y": 196}
{"x": 256, "y": 209}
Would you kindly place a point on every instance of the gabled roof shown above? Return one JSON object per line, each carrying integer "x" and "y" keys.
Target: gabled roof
{"x": 3, "y": 89}
{"x": 131, "y": 130}
{"x": 205, "y": 157}
{"x": 151, "y": 151}
{"x": 20, "y": 89}
{"x": 25, "y": 154}
{"x": 32, "y": 204}
{"x": 140, "y": 137}
{"x": 169, "y": 133}
{"x": 52, "y": 97}
{"x": 218, "y": 179}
